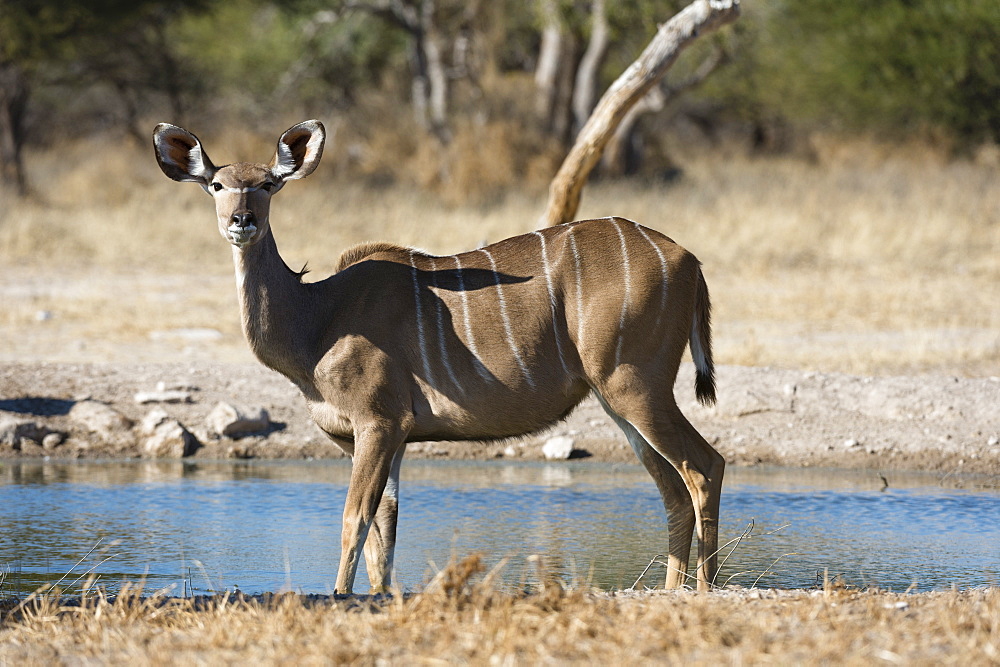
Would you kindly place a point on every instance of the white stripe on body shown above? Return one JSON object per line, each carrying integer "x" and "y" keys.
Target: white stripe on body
{"x": 579, "y": 288}
{"x": 663, "y": 272}
{"x": 442, "y": 341}
{"x": 552, "y": 302}
{"x": 506, "y": 320}
{"x": 421, "y": 338}
{"x": 628, "y": 290}
{"x": 470, "y": 340}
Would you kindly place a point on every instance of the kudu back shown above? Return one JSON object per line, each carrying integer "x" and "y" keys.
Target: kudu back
{"x": 400, "y": 346}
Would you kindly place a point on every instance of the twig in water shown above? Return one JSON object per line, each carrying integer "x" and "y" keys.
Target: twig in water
{"x": 736, "y": 541}
{"x": 754, "y": 584}
{"x": 85, "y": 556}
{"x": 747, "y": 532}
{"x": 646, "y": 569}
{"x": 91, "y": 570}
{"x": 204, "y": 573}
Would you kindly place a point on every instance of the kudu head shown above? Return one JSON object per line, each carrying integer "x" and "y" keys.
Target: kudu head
{"x": 242, "y": 191}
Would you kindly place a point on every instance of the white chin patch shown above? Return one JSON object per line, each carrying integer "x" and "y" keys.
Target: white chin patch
{"x": 241, "y": 236}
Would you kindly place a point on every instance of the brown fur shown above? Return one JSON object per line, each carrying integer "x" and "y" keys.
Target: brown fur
{"x": 366, "y": 249}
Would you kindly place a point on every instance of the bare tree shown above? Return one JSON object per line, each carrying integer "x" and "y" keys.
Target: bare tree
{"x": 613, "y": 160}
{"x": 699, "y": 18}
{"x": 558, "y": 56}
{"x": 13, "y": 98}
{"x": 585, "y": 88}
{"x": 429, "y": 94}
{"x": 547, "y": 69}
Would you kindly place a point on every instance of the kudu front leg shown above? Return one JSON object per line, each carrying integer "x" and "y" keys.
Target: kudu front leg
{"x": 374, "y": 451}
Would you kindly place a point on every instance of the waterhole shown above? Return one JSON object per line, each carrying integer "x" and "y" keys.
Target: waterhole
{"x": 195, "y": 527}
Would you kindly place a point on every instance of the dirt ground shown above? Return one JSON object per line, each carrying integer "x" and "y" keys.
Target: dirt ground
{"x": 949, "y": 425}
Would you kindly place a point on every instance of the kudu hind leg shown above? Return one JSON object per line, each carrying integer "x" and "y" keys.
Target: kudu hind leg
{"x": 702, "y": 469}
{"x": 699, "y": 466}
{"x": 680, "y": 514}
{"x": 675, "y": 496}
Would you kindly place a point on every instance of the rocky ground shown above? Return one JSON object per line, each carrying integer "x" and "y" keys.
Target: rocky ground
{"x": 950, "y": 425}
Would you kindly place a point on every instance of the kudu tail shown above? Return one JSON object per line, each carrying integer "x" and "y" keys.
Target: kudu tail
{"x": 701, "y": 344}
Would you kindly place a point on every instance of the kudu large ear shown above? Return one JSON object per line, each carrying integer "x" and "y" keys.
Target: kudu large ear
{"x": 180, "y": 155}
{"x": 299, "y": 150}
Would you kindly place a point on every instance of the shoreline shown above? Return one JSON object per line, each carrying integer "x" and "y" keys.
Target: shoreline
{"x": 942, "y": 424}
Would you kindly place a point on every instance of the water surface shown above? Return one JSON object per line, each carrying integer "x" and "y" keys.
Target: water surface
{"x": 269, "y": 526}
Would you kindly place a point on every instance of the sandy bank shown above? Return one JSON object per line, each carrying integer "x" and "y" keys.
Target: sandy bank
{"x": 764, "y": 416}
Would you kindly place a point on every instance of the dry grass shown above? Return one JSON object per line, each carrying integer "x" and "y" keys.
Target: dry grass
{"x": 455, "y": 621}
{"x": 864, "y": 260}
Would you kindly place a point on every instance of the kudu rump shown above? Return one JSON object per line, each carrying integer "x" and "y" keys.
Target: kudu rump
{"x": 400, "y": 346}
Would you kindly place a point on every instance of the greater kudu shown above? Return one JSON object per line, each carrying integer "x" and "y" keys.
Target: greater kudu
{"x": 400, "y": 346}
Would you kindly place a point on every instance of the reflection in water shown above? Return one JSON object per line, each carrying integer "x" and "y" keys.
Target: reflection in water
{"x": 275, "y": 525}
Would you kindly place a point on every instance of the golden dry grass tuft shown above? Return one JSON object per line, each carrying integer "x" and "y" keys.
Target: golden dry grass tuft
{"x": 473, "y": 623}
{"x": 865, "y": 259}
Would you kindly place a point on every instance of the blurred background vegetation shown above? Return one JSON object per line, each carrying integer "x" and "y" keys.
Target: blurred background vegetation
{"x": 472, "y": 97}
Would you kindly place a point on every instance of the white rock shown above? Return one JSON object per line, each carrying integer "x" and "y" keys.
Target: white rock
{"x": 558, "y": 448}
{"x": 13, "y": 430}
{"x": 170, "y": 440}
{"x": 10, "y": 432}
{"x": 99, "y": 417}
{"x": 163, "y": 396}
{"x": 851, "y": 442}
{"x": 231, "y": 421}
{"x": 153, "y": 418}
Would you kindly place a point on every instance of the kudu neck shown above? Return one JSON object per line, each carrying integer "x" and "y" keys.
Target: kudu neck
{"x": 273, "y": 302}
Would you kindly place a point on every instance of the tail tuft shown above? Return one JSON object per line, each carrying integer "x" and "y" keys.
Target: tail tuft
{"x": 704, "y": 387}
{"x": 701, "y": 344}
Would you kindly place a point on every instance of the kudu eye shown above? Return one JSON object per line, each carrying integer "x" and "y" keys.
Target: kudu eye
{"x": 216, "y": 186}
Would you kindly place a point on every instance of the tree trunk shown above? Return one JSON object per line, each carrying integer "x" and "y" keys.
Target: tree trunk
{"x": 430, "y": 80}
{"x": 699, "y": 18}
{"x": 437, "y": 78}
{"x": 13, "y": 99}
{"x": 547, "y": 69}
{"x": 613, "y": 160}
{"x": 554, "y": 74}
{"x": 585, "y": 90}
{"x": 562, "y": 112}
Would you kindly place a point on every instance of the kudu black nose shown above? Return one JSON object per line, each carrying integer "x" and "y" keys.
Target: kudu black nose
{"x": 244, "y": 219}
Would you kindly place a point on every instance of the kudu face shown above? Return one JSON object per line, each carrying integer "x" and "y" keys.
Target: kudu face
{"x": 242, "y": 191}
